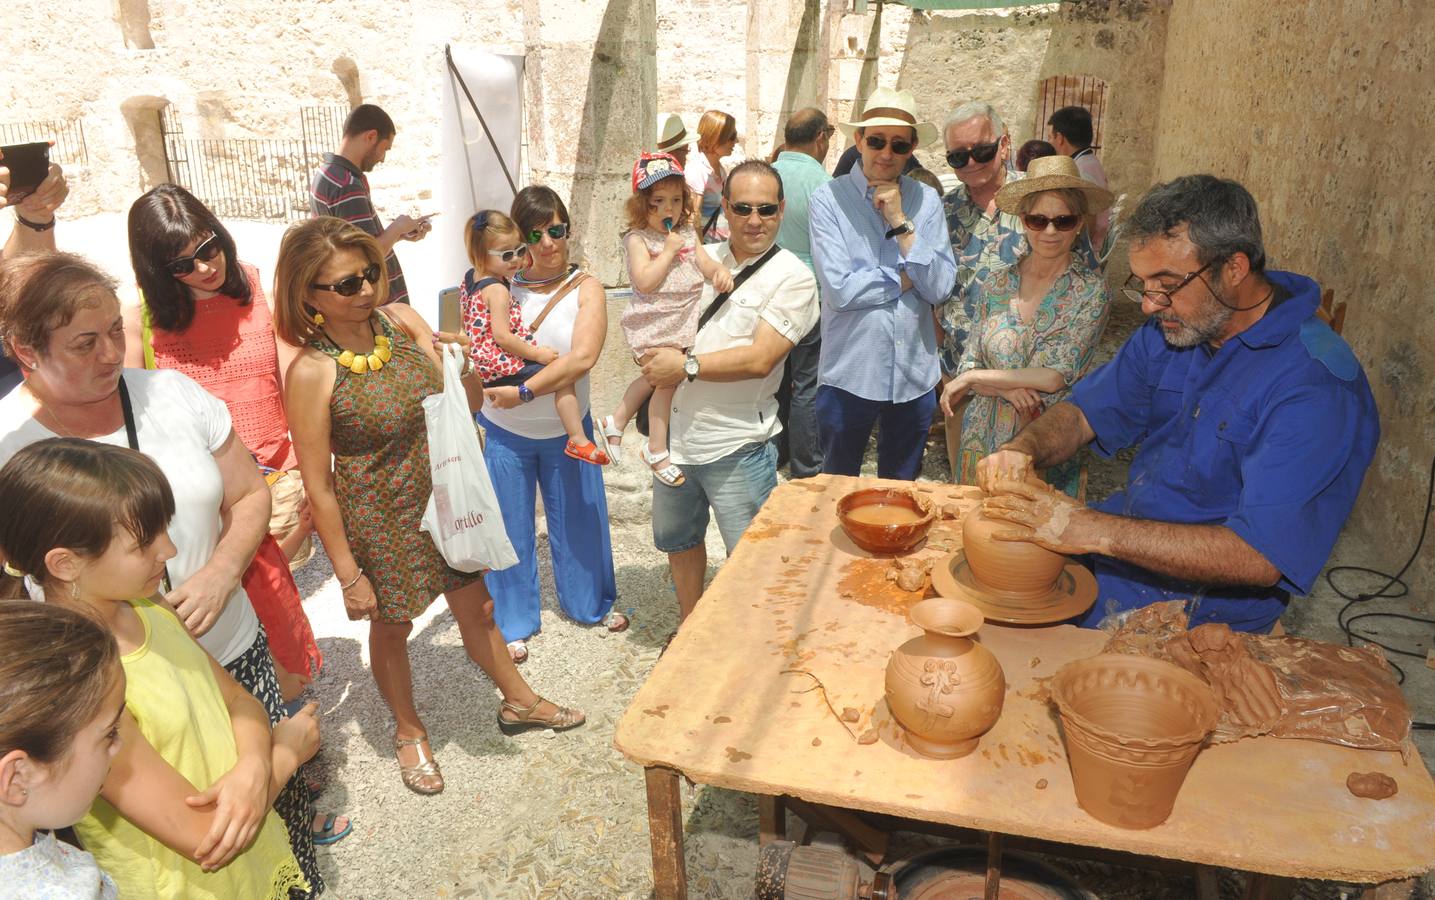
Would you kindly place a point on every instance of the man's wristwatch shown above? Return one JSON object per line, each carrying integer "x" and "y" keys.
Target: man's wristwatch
{"x": 905, "y": 228}
{"x": 525, "y": 394}
{"x": 690, "y": 367}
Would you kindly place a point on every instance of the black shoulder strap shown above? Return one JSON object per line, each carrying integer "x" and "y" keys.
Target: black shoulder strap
{"x": 737, "y": 281}
{"x": 131, "y": 433}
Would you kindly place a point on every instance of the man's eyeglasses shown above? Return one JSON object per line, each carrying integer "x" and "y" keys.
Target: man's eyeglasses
{"x": 557, "y": 232}
{"x": 207, "y": 250}
{"x": 879, "y": 143}
{"x": 510, "y": 255}
{"x": 1135, "y": 290}
{"x": 980, "y": 153}
{"x": 744, "y": 210}
{"x": 1038, "y": 222}
{"x": 348, "y": 287}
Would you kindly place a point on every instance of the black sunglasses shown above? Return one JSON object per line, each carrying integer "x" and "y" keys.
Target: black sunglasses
{"x": 557, "y": 232}
{"x": 350, "y": 286}
{"x": 981, "y": 153}
{"x": 899, "y": 147}
{"x": 207, "y": 250}
{"x": 744, "y": 210}
{"x": 510, "y": 255}
{"x": 1039, "y": 222}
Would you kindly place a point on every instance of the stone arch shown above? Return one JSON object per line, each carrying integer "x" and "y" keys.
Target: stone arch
{"x": 133, "y": 17}
{"x": 1071, "y": 90}
{"x": 145, "y": 117}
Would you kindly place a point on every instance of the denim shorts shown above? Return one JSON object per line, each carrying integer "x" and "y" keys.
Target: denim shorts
{"x": 735, "y": 487}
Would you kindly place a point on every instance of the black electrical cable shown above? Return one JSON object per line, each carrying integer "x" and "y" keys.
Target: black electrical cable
{"x": 1347, "y": 625}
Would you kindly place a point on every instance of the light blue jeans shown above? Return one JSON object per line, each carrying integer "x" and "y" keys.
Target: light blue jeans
{"x": 735, "y": 487}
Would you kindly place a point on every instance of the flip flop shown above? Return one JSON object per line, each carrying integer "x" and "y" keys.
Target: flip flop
{"x": 669, "y": 474}
{"x": 612, "y": 436}
{"x": 327, "y": 835}
{"x": 587, "y": 452}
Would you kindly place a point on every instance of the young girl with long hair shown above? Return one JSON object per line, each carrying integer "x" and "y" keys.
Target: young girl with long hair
{"x": 667, "y": 266}
{"x": 186, "y": 808}
{"x": 503, "y": 348}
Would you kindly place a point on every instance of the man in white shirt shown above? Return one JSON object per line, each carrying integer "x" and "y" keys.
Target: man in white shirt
{"x": 725, "y": 408}
{"x": 1071, "y": 132}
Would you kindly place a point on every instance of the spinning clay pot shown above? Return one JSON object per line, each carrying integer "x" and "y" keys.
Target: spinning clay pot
{"x": 1016, "y": 568}
{"x": 885, "y": 520}
{"x": 1133, "y": 725}
{"x": 944, "y": 688}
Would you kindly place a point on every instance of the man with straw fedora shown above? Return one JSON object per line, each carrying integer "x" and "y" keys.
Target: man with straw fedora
{"x": 883, "y": 260}
{"x": 673, "y": 137}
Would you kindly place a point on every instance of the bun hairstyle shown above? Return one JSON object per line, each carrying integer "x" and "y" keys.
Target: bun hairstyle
{"x": 483, "y": 230}
{"x": 72, "y": 493}
{"x": 56, "y": 666}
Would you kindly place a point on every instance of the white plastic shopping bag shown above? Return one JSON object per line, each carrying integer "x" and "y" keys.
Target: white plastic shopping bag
{"x": 462, "y": 515}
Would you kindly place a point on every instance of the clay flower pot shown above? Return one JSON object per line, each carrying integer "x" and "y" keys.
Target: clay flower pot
{"x": 1133, "y": 725}
{"x": 1015, "y": 568}
{"x": 885, "y": 520}
{"x": 944, "y": 688}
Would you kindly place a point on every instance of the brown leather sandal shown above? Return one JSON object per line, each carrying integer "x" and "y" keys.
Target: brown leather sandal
{"x": 427, "y": 768}
{"x": 562, "y": 720}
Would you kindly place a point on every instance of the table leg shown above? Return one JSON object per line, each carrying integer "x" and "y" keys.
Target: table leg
{"x": 1403, "y": 889}
{"x": 992, "y": 887}
{"x": 771, "y": 819}
{"x": 1268, "y": 887}
{"x": 665, "y": 831}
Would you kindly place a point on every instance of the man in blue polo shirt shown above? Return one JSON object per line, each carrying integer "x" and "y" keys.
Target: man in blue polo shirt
{"x": 1255, "y": 424}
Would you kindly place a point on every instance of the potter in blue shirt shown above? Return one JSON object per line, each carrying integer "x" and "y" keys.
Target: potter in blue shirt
{"x": 883, "y": 258}
{"x": 1255, "y": 423}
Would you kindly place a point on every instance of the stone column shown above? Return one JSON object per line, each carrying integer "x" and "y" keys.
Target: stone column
{"x": 591, "y": 103}
{"x": 786, "y": 66}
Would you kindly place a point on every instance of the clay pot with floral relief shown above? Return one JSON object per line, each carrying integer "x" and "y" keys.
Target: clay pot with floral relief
{"x": 1132, "y": 725}
{"x": 944, "y": 688}
{"x": 1014, "y": 568}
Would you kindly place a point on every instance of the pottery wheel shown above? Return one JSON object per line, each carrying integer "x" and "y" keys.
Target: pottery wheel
{"x": 1072, "y": 594}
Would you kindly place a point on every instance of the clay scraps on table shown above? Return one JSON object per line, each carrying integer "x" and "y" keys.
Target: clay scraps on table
{"x": 1283, "y": 686}
{"x": 1371, "y": 785}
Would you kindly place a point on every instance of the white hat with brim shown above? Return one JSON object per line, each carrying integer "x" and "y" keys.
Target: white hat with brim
{"x": 890, "y": 107}
{"x": 1051, "y": 173}
{"x": 672, "y": 134}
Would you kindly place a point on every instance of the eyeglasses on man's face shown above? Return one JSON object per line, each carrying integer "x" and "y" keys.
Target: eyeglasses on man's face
{"x": 348, "y": 287}
{"x": 1136, "y": 291}
{"x": 745, "y": 210}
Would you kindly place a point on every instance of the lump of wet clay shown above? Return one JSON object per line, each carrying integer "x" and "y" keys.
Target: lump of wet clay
{"x": 851, "y": 714}
{"x": 951, "y": 511}
{"x": 1371, "y": 785}
{"x": 911, "y": 579}
{"x": 868, "y": 737}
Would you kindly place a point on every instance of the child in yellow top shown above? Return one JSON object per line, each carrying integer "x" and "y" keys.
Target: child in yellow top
{"x": 186, "y": 808}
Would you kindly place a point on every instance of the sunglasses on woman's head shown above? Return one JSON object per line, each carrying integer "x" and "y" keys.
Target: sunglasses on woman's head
{"x": 207, "y": 250}
{"x": 510, "y": 255}
{"x": 348, "y": 287}
{"x": 981, "y": 153}
{"x": 743, "y": 210}
{"x": 879, "y": 143}
{"x": 1039, "y": 223}
{"x": 557, "y": 232}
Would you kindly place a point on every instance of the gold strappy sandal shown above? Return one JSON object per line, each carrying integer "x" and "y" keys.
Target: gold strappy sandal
{"x": 427, "y": 768}
{"x": 562, "y": 720}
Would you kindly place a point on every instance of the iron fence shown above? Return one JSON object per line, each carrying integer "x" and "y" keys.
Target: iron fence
{"x": 1072, "y": 90}
{"x": 68, "y": 136}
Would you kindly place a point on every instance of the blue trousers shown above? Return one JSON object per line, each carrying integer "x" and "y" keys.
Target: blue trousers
{"x": 577, "y": 512}
{"x": 844, "y": 424}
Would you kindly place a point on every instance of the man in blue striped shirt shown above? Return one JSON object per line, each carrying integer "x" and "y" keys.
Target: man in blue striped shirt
{"x": 884, "y": 260}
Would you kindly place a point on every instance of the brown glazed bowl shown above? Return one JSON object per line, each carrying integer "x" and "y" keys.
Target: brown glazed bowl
{"x": 1013, "y": 568}
{"x": 886, "y": 538}
{"x": 1133, "y": 725}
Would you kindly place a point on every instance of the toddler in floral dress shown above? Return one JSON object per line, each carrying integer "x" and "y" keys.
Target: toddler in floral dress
{"x": 667, "y": 266}
{"x": 503, "y": 348}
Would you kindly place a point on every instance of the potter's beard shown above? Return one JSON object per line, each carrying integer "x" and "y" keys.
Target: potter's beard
{"x": 1205, "y": 325}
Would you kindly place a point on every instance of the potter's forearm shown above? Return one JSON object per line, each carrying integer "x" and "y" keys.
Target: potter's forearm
{"x": 1206, "y": 554}
{"x": 1054, "y": 437}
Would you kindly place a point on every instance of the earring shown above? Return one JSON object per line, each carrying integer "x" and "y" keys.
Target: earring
{"x": 24, "y": 792}
{"x": 318, "y": 318}
{"x": 74, "y": 591}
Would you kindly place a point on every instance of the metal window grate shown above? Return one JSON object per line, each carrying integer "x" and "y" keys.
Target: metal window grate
{"x": 67, "y": 134}
{"x": 1072, "y": 90}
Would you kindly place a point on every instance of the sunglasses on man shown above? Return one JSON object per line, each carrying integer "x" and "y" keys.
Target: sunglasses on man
{"x": 557, "y": 232}
{"x": 980, "y": 153}
{"x": 1039, "y": 222}
{"x": 207, "y": 250}
{"x": 348, "y": 287}
{"x": 879, "y": 143}
{"x": 744, "y": 210}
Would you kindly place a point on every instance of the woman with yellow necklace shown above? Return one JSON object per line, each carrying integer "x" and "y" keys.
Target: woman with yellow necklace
{"x": 356, "y": 391}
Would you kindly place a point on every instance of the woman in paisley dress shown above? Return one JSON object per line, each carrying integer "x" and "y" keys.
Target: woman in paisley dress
{"x": 356, "y": 390}
{"x": 1037, "y": 321}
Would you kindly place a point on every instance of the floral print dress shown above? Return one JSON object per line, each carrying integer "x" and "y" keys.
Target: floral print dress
{"x": 1061, "y": 335}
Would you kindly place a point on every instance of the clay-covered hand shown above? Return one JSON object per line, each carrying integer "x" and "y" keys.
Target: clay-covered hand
{"x": 663, "y": 367}
{"x": 1026, "y": 401}
{"x": 40, "y": 206}
{"x": 722, "y": 280}
{"x": 955, "y": 391}
{"x": 502, "y": 397}
{"x": 1003, "y": 465}
{"x": 1040, "y": 514}
{"x": 887, "y": 199}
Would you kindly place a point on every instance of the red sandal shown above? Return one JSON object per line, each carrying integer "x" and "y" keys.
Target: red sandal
{"x": 587, "y": 452}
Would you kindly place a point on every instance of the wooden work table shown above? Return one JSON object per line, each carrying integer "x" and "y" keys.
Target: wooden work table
{"x": 735, "y": 703}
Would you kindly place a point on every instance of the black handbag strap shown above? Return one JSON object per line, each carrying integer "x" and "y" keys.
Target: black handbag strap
{"x": 707, "y": 229}
{"x": 737, "y": 281}
{"x": 133, "y": 436}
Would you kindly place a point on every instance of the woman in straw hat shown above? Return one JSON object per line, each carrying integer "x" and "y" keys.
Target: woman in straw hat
{"x": 1037, "y": 321}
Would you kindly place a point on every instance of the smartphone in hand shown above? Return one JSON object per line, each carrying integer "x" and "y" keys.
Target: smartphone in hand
{"x": 28, "y": 165}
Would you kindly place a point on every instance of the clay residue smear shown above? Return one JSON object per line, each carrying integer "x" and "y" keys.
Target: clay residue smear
{"x": 660, "y": 711}
{"x": 1030, "y": 757}
{"x": 736, "y": 755}
{"x": 865, "y": 581}
{"x": 1371, "y": 785}
{"x": 722, "y": 720}
{"x": 767, "y": 530}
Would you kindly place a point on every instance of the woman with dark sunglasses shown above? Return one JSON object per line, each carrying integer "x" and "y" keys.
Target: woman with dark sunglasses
{"x": 1037, "y": 323}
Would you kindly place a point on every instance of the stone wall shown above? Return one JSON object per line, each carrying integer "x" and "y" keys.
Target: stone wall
{"x": 1327, "y": 120}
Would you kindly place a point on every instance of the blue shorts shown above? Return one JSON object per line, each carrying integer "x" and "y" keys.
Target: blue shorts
{"x": 735, "y": 487}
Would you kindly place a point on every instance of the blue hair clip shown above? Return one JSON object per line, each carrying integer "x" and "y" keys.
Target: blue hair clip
{"x": 480, "y": 219}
